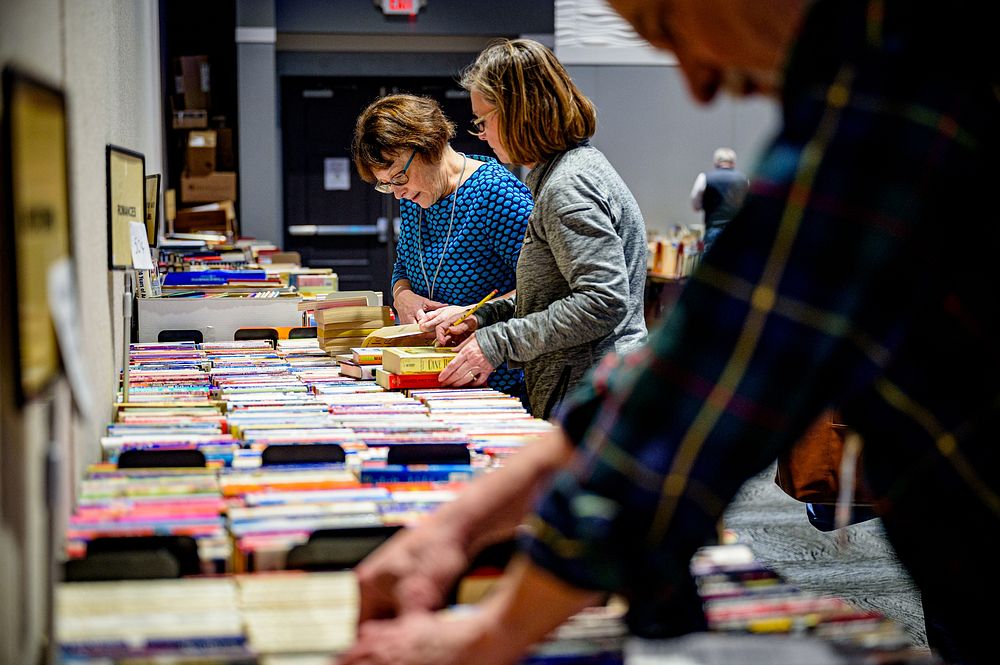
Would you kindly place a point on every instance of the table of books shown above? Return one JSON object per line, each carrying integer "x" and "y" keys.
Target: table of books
{"x": 251, "y": 511}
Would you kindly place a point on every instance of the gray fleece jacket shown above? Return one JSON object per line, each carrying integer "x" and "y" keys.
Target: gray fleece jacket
{"x": 580, "y": 279}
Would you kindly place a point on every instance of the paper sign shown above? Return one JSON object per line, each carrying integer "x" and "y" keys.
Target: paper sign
{"x": 64, "y": 307}
{"x": 141, "y": 257}
{"x": 336, "y": 173}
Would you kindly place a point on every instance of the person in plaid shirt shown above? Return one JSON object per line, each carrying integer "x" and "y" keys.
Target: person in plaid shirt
{"x": 858, "y": 275}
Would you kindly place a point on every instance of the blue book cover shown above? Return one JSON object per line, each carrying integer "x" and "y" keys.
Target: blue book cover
{"x": 211, "y": 276}
{"x": 416, "y": 473}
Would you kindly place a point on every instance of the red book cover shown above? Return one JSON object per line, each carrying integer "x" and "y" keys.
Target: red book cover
{"x": 404, "y": 381}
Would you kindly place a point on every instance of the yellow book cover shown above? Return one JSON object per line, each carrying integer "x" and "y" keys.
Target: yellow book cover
{"x": 416, "y": 359}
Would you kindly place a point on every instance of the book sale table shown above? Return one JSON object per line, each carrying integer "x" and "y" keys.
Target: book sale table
{"x": 250, "y": 477}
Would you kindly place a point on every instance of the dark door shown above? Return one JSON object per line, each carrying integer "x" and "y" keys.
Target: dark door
{"x": 332, "y": 217}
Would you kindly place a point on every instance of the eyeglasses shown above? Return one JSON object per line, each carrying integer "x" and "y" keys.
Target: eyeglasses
{"x": 397, "y": 180}
{"x": 478, "y": 122}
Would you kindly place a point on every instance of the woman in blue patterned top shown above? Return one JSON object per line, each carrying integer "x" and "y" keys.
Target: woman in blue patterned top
{"x": 463, "y": 216}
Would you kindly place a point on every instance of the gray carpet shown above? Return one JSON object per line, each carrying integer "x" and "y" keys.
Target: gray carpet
{"x": 863, "y": 569}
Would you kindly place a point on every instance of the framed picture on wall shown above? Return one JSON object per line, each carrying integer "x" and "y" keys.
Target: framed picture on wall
{"x": 153, "y": 207}
{"x": 126, "y": 202}
{"x": 35, "y": 239}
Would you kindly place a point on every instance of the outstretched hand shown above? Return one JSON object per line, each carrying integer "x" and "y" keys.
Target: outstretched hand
{"x": 412, "y": 571}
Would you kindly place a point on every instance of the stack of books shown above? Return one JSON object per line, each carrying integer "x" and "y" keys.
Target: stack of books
{"x": 405, "y": 367}
{"x": 361, "y": 363}
{"x": 341, "y": 328}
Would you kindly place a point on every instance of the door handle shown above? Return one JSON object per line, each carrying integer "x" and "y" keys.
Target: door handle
{"x": 380, "y": 228}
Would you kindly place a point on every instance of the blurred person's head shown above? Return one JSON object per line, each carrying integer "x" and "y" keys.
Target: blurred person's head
{"x": 527, "y": 108}
{"x": 739, "y": 46}
{"x": 724, "y": 158}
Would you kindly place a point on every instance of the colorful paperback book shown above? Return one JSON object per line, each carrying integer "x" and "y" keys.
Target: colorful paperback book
{"x": 367, "y": 355}
{"x": 396, "y": 473}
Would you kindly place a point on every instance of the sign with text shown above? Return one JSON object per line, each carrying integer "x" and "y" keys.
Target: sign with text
{"x": 401, "y": 7}
{"x": 126, "y": 202}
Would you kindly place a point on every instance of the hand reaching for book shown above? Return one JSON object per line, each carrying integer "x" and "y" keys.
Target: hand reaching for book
{"x": 442, "y": 638}
{"x": 408, "y": 304}
{"x": 411, "y": 572}
{"x": 470, "y": 366}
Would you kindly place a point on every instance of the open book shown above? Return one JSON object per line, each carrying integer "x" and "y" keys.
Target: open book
{"x": 407, "y": 335}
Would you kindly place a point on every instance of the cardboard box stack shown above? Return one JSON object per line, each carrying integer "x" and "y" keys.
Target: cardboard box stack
{"x": 207, "y": 178}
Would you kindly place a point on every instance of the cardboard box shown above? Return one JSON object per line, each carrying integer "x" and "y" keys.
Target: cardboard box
{"x": 190, "y": 119}
{"x": 192, "y": 79}
{"x": 200, "y": 159}
{"x": 209, "y": 218}
{"x": 217, "y": 186}
{"x": 207, "y": 221}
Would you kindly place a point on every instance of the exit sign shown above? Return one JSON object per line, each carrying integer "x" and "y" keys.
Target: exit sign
{"x": 397, "y": 7}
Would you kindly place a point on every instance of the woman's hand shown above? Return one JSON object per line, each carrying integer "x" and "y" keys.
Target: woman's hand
{"x": 469, "y": 367}
{"x": 430, "y": 320}
{"x": 408, "y": 303}
{"x": 451, "y": 335}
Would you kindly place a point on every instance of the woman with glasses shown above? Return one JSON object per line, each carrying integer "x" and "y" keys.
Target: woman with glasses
{"x": 463, "y": 217}
{"x": 582, "y": 270}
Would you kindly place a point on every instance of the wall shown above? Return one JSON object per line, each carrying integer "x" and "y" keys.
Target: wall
{"x": 659, "y": 139}
{"x": 649, "y": 127}
{"x": 346, "y": 37}
{"x": 104, "y": 55}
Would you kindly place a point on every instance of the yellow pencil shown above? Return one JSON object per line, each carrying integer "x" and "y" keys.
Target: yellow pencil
{"x": 474, "y": 308}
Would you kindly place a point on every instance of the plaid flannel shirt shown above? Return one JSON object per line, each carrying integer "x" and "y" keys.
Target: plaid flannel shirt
{"x": 861, "y": 273}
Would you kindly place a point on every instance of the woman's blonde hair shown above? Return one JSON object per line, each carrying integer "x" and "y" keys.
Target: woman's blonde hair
{"x": 540, "y": 111}
{"x": 397, "y": 124}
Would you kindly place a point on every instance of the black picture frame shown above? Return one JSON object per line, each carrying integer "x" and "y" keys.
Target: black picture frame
{"x": 36, "y": 227}
{"x": 153, "y": 217}
{"x": 126, "y": 188}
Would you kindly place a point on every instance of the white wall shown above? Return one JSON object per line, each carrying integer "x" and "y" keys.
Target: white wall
{"x": 659, "y": 139}
{"x": 648, "y": 125}
{"x": 104, "y": 54}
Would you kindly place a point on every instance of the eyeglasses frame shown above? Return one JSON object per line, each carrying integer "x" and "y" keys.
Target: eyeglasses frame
{"x": 397, "y": 180}
{"x": 479, "y": 122}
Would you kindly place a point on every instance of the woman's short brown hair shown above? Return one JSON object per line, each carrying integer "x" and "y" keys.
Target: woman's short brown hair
{"x": 395, "y": 124}
{"x": 540, "y": 112}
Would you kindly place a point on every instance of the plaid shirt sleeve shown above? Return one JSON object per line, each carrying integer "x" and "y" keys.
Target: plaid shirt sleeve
{"x": 809, "y": 298}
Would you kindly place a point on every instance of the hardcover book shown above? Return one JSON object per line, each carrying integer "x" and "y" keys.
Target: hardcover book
{"x": 416, "y": 359}
{"x": 391, "y": 381}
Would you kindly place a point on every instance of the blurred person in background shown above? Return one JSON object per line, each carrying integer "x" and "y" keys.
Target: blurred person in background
{"x": 719, "y": 193}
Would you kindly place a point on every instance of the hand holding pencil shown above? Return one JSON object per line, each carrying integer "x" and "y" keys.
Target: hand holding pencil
{"x": 472, "y": 311}
{"x": 451, "y": 323}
